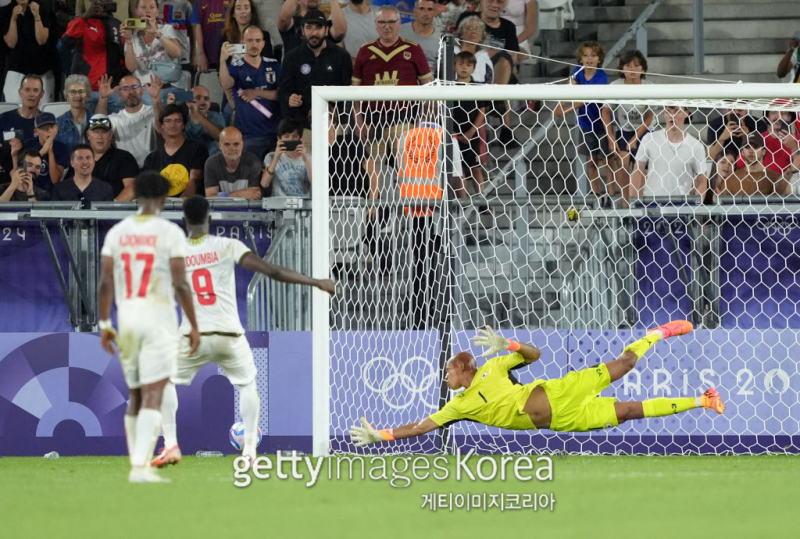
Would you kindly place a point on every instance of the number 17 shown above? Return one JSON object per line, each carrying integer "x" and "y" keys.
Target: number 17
{"x": 148, "y": 260}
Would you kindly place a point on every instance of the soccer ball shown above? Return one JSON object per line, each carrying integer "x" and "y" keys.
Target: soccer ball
{"x": 236, "y": 436}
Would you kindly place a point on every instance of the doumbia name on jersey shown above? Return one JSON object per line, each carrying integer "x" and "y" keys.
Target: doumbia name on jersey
{"x": 398, "y": 470}
{"x": 202, "y": 259}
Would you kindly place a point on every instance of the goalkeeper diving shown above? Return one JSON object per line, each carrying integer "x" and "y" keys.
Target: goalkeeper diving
{"x": 569, "y": 404}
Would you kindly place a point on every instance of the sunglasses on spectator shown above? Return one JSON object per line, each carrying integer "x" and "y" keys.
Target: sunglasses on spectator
{"x": 100, "y": 122}
{"x": 384, "y": 23}
{"x": 129, "y": 88}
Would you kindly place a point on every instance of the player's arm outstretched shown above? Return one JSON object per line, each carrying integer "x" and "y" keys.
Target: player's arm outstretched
{"x": 366, "y": 434}
{"x": 183, "y": 292}
{"x": 285, "y": 275}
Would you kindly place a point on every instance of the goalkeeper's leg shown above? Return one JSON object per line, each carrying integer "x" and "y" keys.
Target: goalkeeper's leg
{"x": 634, "y": 351}
{"x": 668, "y": 406}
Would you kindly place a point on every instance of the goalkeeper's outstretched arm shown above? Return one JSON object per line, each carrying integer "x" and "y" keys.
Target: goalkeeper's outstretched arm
{"x": 366, "y": 434}
{"x": 495, "y": 343}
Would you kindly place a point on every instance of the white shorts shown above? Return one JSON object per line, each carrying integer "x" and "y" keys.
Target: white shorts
{"x": 233, "y": 354}
{"x": 148, "y": 350}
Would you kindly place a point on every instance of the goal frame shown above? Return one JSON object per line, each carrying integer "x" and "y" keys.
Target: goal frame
{"x": 321, "y": 96}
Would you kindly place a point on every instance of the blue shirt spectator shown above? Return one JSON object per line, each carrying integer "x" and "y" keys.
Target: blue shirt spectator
{"x": 589, "y": 113}
{"x": 72, "y": 124}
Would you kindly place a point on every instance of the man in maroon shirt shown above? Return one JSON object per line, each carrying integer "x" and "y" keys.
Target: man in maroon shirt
{"x": 390, "y": 60}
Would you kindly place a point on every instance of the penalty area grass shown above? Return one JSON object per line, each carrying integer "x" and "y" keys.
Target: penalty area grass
{"x": 598, "y": 497}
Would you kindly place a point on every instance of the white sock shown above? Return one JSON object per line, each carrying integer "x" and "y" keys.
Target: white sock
{"x": 169, "y": 409}
{"x": 250, "y": 408}
{"x": 146, "y": 436}
{"x": 130, "y": 433}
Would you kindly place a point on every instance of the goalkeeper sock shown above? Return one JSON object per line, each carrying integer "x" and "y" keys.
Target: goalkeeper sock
{"x": 146, "y": 436}
{"x": 643, "y": 345}
{"x": 666, "y": 406}
{"x": 169, "y": 409}
{"x": 250, "y": 408}
{"x": 130, "y": 433}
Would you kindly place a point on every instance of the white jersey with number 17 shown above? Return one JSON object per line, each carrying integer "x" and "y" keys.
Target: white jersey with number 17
{"x": 210, "y": 265}
{"x": 142, "y": 247}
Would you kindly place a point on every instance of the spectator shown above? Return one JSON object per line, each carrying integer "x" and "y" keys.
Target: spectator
{"x": 177, "y": 13}
{"x": 379, "y": 64}
{"x": 524, "y": 14}
{"x": 351, "y": 171}
{"x": 83, "y": 187}
{"x": 729, "y": 132}
{"x": 240, "y": 17}
{"x": 360, "y": 16}
{"x": 472, "y": 30}
{"x": 447, "y": 14}
{"x": 204, "y": 124}
{"x": 787, "y": 68}
{"x": 154, "y": 51}
{"x": 133, "y": 126}
{"x": 122, "y": 12}
{"x": 723, "y": 169}
{"x": 288, "y": 168}
{"x": 208, "y": 25}
{"x": 502, "y": 38}
{"x": 671, "y": 161}
{"x": 595, "y": 128}
{"x": 780, "y": 139}
{"x": 315, "y": 63}
{"x": 422, "y": 31}
{"x": 233, "y": 172}
{"x": 22, "y": 187}
{"x": 55, "y": 156}
{"x": 754, "y": 178}
{"x": 9, "y": 151}
{"x": 630, "y": 122}
{"x": 72, "y": 124}
{"x": 468, "y": 118}
{"x": 21, "y": 120}
{"x": 176, "y": 150}
{"x": 94, "y": 39}
{"x": 26, "y": 29}
{"x": 290, "y": 23}
{"x": 116, "y": 167}
{"x": 254, "y": 81}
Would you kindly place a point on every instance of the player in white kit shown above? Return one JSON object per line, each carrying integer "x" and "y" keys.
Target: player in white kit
{"x": 210, "y": 264}
{"x": 142, "y": 268}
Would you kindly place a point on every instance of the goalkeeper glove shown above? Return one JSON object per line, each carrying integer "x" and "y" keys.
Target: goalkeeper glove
{"x": 367, "y": 435}
{"x": 494, "y": 342}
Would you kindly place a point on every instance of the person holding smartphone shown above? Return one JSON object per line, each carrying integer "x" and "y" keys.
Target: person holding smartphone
{"x": 21, "y": 188}
{"x": 729, "y": 132}
{"x": 288, "y": 167}
{"x": 787, "y": 68}
{"x": 780, "y": 139}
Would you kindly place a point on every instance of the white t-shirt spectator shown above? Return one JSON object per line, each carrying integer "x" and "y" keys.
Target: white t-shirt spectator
{"x": 176, "y": 13}
{"x": 360, "y": 29}
{"x": 134, "y": 132}
{"x": 630, "y": 117}
{"x": 146, "y": 55}
{"x": 672, "y": 167}
{"x": 290, "y": 178}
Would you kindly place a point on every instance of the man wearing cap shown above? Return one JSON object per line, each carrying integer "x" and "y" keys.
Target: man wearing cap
{"x": 22, "y": 119}
{"x": 83, "y": 187}
{"x": 316, "y": 62}
{"x": 177, "y": 154}
{"x": 754, "y": 178}
{"x": 112, "y": 165}
{"x": 55, "y": 155}
{"x": 291, "y": 21}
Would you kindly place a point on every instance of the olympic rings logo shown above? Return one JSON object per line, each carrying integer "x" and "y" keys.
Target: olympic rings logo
{"x": 398, "y": 384}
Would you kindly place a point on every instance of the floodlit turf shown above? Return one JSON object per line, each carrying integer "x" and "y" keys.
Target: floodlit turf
{"x": 596, "y": 497}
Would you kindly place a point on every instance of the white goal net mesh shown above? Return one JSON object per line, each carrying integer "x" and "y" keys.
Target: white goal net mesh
{"x": 446, "y": 216}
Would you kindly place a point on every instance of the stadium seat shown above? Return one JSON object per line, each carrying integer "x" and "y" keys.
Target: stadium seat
{"x": 210, "y": 80}
{"x": 5, "y": 107}
{"x": 347, "y": 225}
{"x": 553, "y": 14}
{"x": 57, "y": 108}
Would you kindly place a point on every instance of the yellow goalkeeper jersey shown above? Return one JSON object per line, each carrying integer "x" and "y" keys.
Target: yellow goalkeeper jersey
{"x": 492, "y": 399}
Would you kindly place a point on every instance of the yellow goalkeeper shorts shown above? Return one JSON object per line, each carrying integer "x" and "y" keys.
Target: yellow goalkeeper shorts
{"x": 574, "y": 402}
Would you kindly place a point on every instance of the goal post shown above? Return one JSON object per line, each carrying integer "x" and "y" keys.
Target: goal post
{"x": 543, "y": 260}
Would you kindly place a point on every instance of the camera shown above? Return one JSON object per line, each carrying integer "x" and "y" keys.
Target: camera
{"x": 237, "y": 48}
{"x": 136, "y": 24}
{"x": 291, "y": 145}
{"x": 108, "y": 7}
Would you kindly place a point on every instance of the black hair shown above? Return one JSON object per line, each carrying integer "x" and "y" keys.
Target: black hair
{"x": 467, "y": 57}
{"x": 26, "y": 152}
{"x": 195, "y": 210}
{"x": 81, "y": 146}
{"x": 174, "y": 108}
{"x": 288, "y": 126}
{"x": 629, "y": 56}
{"x": 151, "y": 185}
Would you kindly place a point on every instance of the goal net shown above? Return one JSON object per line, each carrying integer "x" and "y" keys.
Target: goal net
{"x": 456, "y": 206}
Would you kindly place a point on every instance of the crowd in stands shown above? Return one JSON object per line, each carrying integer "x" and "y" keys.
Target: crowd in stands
{"x": 126, "y": 70}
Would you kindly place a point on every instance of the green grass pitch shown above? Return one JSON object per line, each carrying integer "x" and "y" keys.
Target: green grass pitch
{"x": 596, "y": 497}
